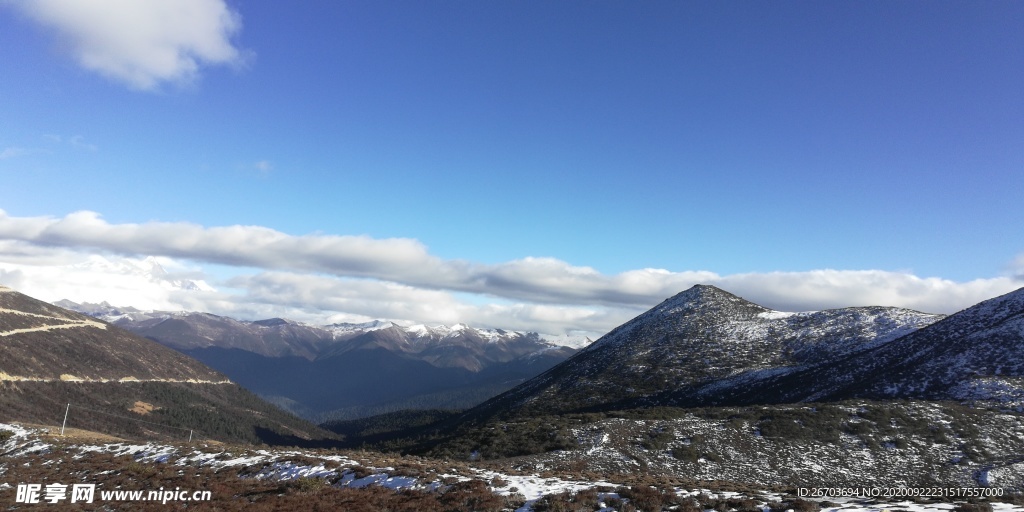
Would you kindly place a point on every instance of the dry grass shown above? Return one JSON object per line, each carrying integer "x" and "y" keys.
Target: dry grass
{"x": 142, "y": 408}
{"x": 74, "y": 435}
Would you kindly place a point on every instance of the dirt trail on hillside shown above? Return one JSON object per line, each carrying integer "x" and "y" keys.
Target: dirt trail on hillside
{"x": 72, "y": 378}
{"x": 52, "y": 327}
{"x": 67, "y": 322}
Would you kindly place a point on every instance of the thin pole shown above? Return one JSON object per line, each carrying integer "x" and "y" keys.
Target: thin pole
{"x": 190, "y": 436}
{"x": 62, "y": 425}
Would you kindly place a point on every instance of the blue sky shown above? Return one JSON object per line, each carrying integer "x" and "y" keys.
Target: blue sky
{"x": 754, "y": 145}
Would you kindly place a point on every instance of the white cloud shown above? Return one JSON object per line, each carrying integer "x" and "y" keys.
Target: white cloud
{"x": 262, "y": 168}
{"x": 355, "y": 278}
{"x": 824, "y": 289}
{"x": 406, "y": 304}
{"x": 142, "y": 43}
{"x": 79, "y": 142}
{"x": 1016, "y": 267}
{"x": 12, "y": 152}
{"x": 253, "y": 246}
{"x": 54, "y": 274}
{"x": 398, "y": 260}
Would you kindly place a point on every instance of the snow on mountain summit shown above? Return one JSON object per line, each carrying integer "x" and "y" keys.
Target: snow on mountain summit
{"x": 698, "y": 340}
{"x": 149, "y": 269}
{"x": 345, "y": 328}
{"x": 278, "y": 336}
{"x": 977, "y": 353}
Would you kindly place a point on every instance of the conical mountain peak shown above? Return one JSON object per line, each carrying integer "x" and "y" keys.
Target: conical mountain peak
{"x": 697, "y": 343}
{"x": 705, "y": 297}
{"x": 703, "y": 292}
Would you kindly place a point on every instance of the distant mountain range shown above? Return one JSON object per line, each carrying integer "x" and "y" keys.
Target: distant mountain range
{"x": 707, "y": 347}
{"x": 120, "y": 383}
{"x": 343, "y": 371}
{"x": 280, "y": 337}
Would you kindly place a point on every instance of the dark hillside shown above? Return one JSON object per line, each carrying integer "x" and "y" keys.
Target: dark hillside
{"x": 688, "y": 348}
{"x": 121, "y": 384}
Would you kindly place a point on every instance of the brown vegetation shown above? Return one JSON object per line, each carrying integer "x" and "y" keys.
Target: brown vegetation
{"x": 142, "y": 408}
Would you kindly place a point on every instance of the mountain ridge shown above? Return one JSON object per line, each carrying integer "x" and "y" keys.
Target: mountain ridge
{"x": 59, "y": 360}
{"x": 277, "y": 337}
{"x": 344, "y": 371}
{"x": 978, "y": 347}
{"x": 696, "y": 342}
{"x": 45, "y": 342}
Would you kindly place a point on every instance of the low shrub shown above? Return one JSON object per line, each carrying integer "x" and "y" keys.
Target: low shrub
{"x": 309, "y": 484}
{"x": 658, "y": 440}
{"x": 797, "y": 505}
{"x": 972, "y": 507}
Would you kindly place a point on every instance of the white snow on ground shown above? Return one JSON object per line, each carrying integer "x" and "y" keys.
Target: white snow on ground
{"x": 391, "y": 482}
{"x": 909, "y": 506}
{"x": 775, "y": 315}
{"x": 567, "y": 340}
{"x": 534, "y": 487}
{"x": 22, "y": 442}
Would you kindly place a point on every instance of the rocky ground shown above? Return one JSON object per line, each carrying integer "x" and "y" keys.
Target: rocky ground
{"x": 239, "y": 477}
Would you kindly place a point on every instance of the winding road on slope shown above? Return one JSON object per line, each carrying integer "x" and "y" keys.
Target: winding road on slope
{"x": 69, "y": 324}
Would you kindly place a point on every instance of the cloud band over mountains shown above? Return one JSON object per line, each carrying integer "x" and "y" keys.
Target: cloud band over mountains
{"x": 399, "y": 278}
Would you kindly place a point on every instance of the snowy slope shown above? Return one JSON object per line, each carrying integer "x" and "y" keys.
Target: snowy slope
{"x": 976, "y": 354}
{"x": 687, "y": 348}
{"x": 705, "y": 347}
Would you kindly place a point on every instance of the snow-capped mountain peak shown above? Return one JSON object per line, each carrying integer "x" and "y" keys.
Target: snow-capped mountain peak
{"x": 279, "y": 336}
{"x": 700, "y": 340}
{"x": 149, "y": 268}
{"x": 348, "y": 328}
{"x": 703, "y": 297}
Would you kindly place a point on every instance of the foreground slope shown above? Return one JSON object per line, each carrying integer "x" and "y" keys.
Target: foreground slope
{"x": 119, "y": 383}
{"x": 241, "y": 478}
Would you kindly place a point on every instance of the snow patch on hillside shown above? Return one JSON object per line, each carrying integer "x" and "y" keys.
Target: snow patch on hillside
{"x": 775, "y": 315}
